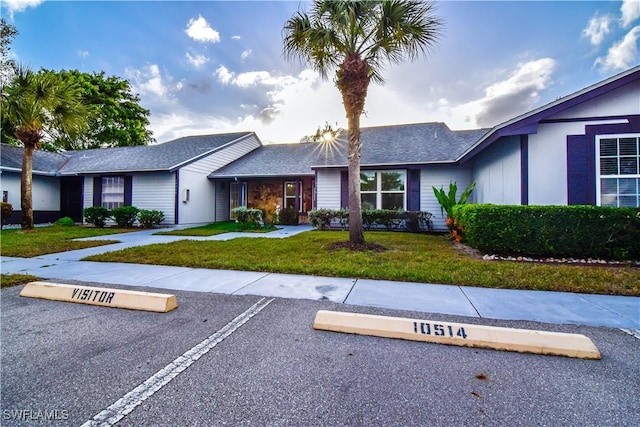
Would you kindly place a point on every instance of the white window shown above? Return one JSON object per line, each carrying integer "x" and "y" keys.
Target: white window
{"x": 293, "y": 194}
{"x": 112, "y": 192}
{"x": 383, "y": 189}
{"x": 618, "y": 168}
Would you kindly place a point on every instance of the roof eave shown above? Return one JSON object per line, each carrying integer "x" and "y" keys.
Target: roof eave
{"x": 213, "y": 150}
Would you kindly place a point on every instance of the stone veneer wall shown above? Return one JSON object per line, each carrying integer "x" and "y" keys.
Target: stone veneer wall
{"x": 269, "y": 193}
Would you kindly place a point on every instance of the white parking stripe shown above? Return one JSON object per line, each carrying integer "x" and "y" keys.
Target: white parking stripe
{"x": 135, "y": 397}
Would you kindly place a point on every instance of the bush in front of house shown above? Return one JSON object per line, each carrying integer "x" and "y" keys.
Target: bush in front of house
{"x": 125, "y": 216}
{"x": 150, "y": 218}
{"x": 6, "y": 209}
{"x": 551, "y": 231}
{"x": 289, "y": 216}
{"x": 414, "y": 221}
{"x": 248, "y": 217}
{"x": 96, "y": 215}
{"x": 66, "y": 221}
{"x": 321, "y": 218}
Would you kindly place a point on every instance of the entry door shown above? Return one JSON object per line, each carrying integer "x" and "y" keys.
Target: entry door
{"x": 237, "y": 196}
{"x": 71, "y": 197}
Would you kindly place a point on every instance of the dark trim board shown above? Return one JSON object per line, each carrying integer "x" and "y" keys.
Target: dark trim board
{"x": 581, "y": 159}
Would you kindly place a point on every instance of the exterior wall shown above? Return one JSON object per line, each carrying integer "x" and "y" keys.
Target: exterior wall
{"x": 267, "y": 194}
{"x": 45, "y": 194}
{"x": 87, "y": 197}
{"x": 440, "y": 176}
{"x": 496, "y": 172}
{"x": 201, "y": 206}
{"x": 328, "y": 189}
{"x": 548, "y": 161}
{"x": 155, "y": 191}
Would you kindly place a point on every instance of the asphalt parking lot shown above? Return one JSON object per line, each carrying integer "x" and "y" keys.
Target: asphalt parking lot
{"x": 64, "y": 364}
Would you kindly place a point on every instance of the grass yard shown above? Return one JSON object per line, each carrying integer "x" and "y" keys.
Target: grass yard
{"x": 409, "y": 257}
{"x": 216, "y": 228}
{"x": 52, "y": 239}
{"x": 8, "y": 280}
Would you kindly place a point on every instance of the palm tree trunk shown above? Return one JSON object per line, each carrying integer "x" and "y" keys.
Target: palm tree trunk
{"x": 26, "y": 185}
{"x": 356, "y": 234}
{"x": 352, "y": 78}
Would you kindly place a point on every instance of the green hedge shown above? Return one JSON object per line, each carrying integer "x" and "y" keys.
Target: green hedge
{"x": 551, "y": 231}
{"x": 414, "y": 221}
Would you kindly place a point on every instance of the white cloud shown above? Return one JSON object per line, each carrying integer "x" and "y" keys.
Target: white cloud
{"x": 151, "y": 84}
{"x": 20, "y": 5}
{"x": 245, "y": 54}
{"x": 236, "y": 38}
{"x": 200, "y": 30}
{"x": 630, "y": 10}
{"x": 623, "y": 54}
{"x": 597, "y": 28}
{"x": 196, "y": 60}
{"x": 224, "y": 75}
{"x": 83, "y": 54}
{"x": 508, "y": 98}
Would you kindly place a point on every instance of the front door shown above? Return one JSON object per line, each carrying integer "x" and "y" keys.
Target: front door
{"x": 71, "y": 197}
{"x": 237, "y": 196}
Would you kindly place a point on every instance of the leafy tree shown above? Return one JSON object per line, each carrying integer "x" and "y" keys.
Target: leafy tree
{"x": 118, "y": 120}
{"x": 357, "y": 38}
{"x": 41, "y": 106}
{"x": 7, "y": 66}
{"x": 7, "y": 70}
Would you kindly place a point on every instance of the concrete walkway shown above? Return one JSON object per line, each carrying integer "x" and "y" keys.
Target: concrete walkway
{"x": 540, "y": 306}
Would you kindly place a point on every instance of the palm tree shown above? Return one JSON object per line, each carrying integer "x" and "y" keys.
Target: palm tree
{"x": 40, "y": 107}
{"x": 357, "y": 38}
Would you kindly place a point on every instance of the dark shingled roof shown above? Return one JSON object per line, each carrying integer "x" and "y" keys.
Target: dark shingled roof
{"x": 161, "y": 157}
{"x": 420, "y": 143}
{"x": 44, "y": 162}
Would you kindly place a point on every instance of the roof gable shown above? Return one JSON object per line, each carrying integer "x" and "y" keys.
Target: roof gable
{"x": 161, "y": 157}
{"x": 528, "y": 123}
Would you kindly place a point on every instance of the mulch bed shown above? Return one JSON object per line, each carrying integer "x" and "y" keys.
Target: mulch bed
{"x": 357, "y": 247}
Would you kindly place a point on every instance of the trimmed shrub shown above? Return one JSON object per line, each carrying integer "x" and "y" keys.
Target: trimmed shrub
{"x": 414, "y": 221}
{"x": 321, "y": 218}
{"x": 150, "y": 219}
{"x": 66, "y": 221}
{"x": 125, "y": 216}
{"x": 96, "y": 215}
{"x": 289, "y": 216}
{"x": 248, "y": 217}
{"x": 6, "y": 209}
{"x": 551, "y": 231}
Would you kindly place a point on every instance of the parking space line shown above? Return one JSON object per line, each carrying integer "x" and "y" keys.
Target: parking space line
{"x": 125, "y": 405}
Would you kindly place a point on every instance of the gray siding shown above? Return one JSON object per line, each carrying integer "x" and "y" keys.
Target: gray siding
{"x": 328, "y": 189}
{"x": 155, "y": 191}
{"x": 223, "y": 157}
{"x": 222, "y": 201}
{"x": 496, "y": 172}
{"x": 440, "y": 176}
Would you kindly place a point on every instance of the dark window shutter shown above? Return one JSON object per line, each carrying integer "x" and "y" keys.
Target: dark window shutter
{"x": 344, "y": 189}
{"x": 413, "y": 189}
{"x": 128, "y": 190}
{"x": 581, "y": 170}
{"x": 97, "y": 191}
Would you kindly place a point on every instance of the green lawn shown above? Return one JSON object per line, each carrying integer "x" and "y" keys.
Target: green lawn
{"x": 216, "y": 228}
{"x": 53, "y": 239}
{"x": 409, "y": 257}
{"x": 8, "y": 280}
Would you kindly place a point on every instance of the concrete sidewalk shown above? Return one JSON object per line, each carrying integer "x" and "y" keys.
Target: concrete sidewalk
{"x": 506, "y": 304}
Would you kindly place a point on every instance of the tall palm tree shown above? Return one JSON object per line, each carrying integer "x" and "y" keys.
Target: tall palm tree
{"x": 40, "y": 107}
{"x": 356, "y": 38}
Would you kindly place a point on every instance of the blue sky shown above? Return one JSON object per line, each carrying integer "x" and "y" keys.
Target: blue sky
{"x": 217, "y": 66}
